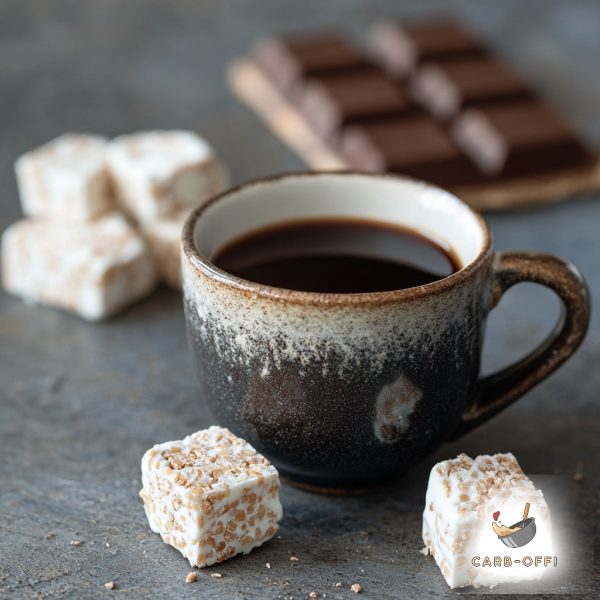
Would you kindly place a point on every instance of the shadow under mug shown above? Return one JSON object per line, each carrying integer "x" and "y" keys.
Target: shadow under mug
{"x": 344, "y": 391}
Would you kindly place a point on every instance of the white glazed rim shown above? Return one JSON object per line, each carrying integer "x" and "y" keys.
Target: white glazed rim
{"x": 209, "y": 269}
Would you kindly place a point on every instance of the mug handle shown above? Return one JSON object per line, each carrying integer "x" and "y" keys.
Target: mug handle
{"x": 497, "y": 391}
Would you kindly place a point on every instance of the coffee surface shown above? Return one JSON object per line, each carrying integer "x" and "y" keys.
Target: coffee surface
{"x": 337, "y": 256}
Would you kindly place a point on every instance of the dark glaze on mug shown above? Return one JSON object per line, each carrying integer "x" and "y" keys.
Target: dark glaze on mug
{"x": 346, "y": 390}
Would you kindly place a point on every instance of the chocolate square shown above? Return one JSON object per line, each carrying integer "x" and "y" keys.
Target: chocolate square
{"x": 332, "y": 102}
{"x": 445, "y": 88}
{"x": 401, "y": 48}
{"x": 287, "y": 60}
{"x": 518, "y": 139}
{"x": 418, "y": 147}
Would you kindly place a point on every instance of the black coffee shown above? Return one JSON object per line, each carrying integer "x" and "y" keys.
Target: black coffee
{"x": 337, "y": 256}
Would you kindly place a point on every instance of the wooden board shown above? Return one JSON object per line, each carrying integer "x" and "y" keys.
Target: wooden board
{"x": 286, "y": 122}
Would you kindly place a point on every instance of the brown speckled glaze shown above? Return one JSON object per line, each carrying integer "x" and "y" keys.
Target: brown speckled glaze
{"x": 347, "y": 390}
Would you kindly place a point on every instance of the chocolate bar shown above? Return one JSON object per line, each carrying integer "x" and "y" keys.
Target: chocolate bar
{"x": 402, "y": 48}
{"x": 417, "y": 147}
{"x": 337, "y": 100}
{"x": 518, "y": 139}
{"x": 287, "y": 60}
{"x": 429, "y": 100}
{"x": 447, "y": 87}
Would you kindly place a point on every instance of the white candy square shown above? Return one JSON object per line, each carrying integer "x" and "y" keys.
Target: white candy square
{"x": 210, "y": 495}
{"x": 164, "y": 240}
{"x": 66, "y": 178}
{"x": 482, "y": 519}
{"x": 156, "y": 173}
{"x": 93, "y": 269}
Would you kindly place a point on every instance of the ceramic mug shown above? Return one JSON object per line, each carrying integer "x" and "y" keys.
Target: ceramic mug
{"x": 345, "y": 390}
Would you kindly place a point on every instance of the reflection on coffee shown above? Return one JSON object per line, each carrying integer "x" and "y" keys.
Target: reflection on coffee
{"x": 337, "y": 256}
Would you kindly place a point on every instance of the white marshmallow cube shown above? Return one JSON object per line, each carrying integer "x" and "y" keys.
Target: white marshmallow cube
{"x": 66, "y": 179}
{"x": 467, "y": 500}
{"x": 163, "y": 237}
{"x": 210, "y": 495}
{"x": 93, "y": 269}
{"x": 156, "y": 173}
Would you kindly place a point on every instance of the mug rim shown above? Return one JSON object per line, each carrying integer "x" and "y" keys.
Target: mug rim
{"x": 209, "y": 269}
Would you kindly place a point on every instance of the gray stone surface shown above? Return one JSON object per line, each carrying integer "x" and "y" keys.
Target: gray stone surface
{"x": 80, "y": 403}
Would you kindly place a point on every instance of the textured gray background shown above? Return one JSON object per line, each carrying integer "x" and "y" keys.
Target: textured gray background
{"x": 80, "y": 403}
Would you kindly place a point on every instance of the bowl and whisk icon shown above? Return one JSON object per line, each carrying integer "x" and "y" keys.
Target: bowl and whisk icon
{"x": 519, "y": 534}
